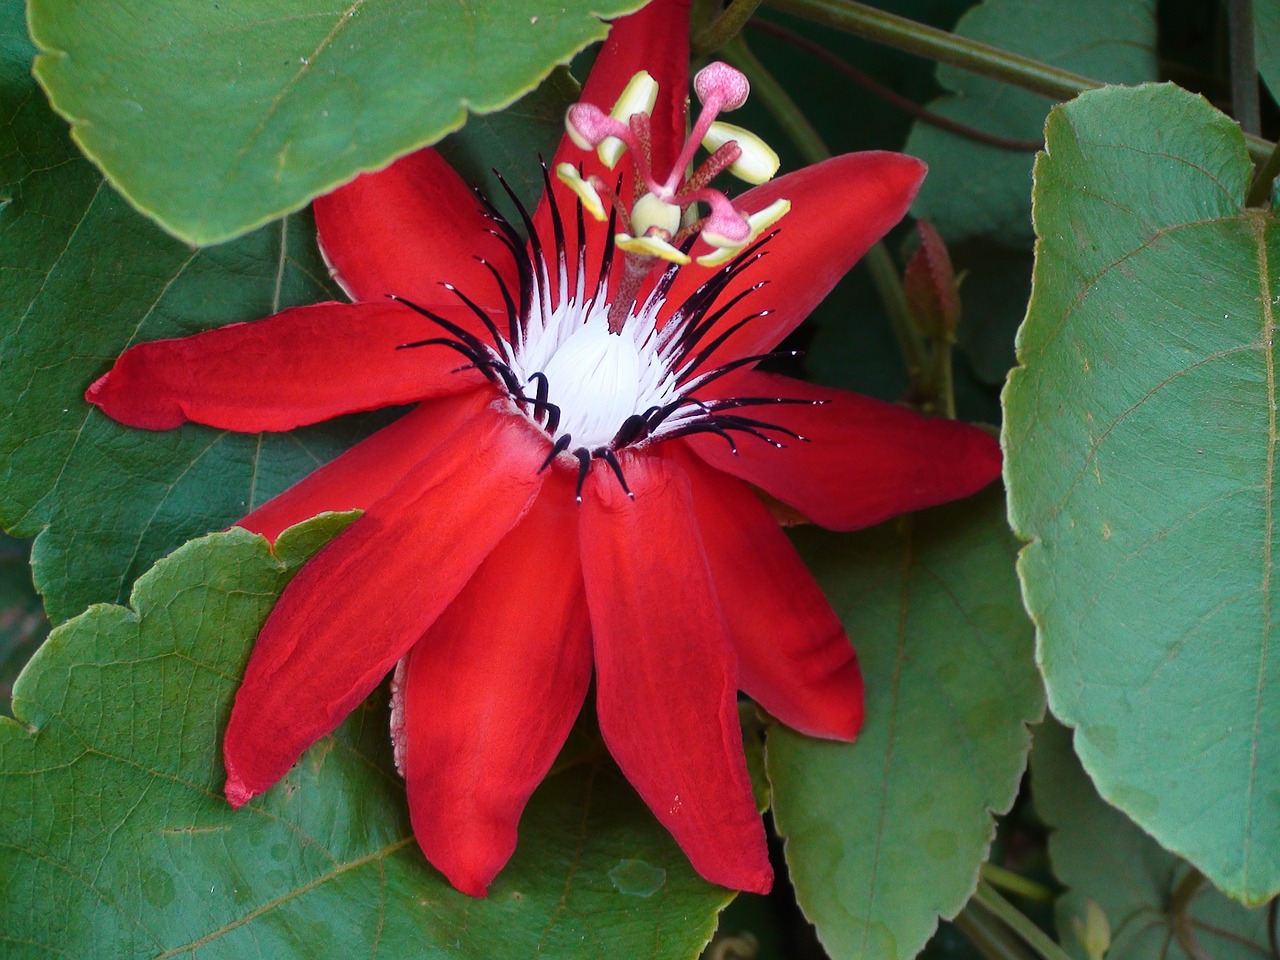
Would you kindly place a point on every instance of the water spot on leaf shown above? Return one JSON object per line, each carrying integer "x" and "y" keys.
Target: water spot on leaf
{"x": 1102, "y": 737}
{"x": 1136, "y": 801}
{"x": 637, "y": 878}
{"x": 996, "y": 618}
{"x": 158, "y": 888}
{"x": 941, "y": 844}
{"x": 923, "y": 802}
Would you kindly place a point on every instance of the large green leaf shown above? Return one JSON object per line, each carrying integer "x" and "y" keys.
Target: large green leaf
{"x": 978, "y": 190}
{"x": 1141, "y": 444}
{"x": 214, "y": 118}
{"x": 1103, "y": 858}
{"x": 82, "y": 277}
{"x": 115, "y": 840}
{"x": 886, "y": 834}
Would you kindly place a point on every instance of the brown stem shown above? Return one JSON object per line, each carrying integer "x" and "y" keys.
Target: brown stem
{"x": 875, "y": 87}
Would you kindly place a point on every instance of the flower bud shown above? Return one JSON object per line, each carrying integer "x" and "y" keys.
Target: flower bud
{"x": 930, "y": 285}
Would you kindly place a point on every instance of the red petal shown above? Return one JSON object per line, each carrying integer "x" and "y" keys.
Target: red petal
{"x": 301, "y": 366}
{"x": 666, "y": 680}
{"x": 408, "y": 228}
{"x": 362, "y": 602}
{"x": 491, "y": 691}
{"x": 794, "y": 658}
{"x": 866, "y": 460}
{"x": 368, "y": 471}
{"x": 656, "y": 39}
{"x": 839, "y": 209}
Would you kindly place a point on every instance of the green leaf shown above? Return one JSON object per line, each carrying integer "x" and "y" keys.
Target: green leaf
{"x": 1104, "y": 859}
{"x": 978, "y": 190}
{"x": 1141, "y": 442}
{"x": 22, "y": 621}
{"x": 887, "y": 834}
{"x": 83, "y": 278}
{"x": 216, "y": 118}
{"x": 115, "y": 840}
{"x": 86, "y": 277}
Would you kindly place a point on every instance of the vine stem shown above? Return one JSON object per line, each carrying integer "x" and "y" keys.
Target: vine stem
{"x": 988, "y": 937}
{"x": 1180, "y": 901}
{"x": 972, "y": 55}
{"x": 884, "y": 272}
{"x": 1263, "y": 178}
{"x": 1016, "y": 883}
{"x": 724, "y": 27}
{"x": 889, "y": 95}
{"x": 1244, "y": 69}
{"x": 1039, "y": 941}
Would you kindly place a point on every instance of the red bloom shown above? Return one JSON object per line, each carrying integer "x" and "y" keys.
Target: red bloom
{"x": 475, "y": 571}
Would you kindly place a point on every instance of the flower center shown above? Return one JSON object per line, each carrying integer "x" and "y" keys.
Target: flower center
{"x": 594, "y": 378}
{"x": 595, "y": 387}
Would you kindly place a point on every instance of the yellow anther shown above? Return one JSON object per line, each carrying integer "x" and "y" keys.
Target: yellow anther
{"x": 760, "y": 221}
{"x": 720, "y": 256}
{"x": 758, "y": 162}
{"x": 591, "y": 202}
{"x": 650, "y": 247}
{"x": 650, "y": 212}
{"x": 638, "y": 96}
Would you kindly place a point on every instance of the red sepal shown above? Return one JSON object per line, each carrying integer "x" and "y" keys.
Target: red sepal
{"x": 491, "y": 692}
{"x": 866, "y": 460}
{"x": 666, "y": 677}
{"x": 365, "y": 599}
{"x": 408, "y": 228}
{"x": 839, "y": 208}
{"x": 298, "y": 367}
{"x": 654, "y": 38}
{"x": 794, "y": 658}
{"x": 368, "y": 471}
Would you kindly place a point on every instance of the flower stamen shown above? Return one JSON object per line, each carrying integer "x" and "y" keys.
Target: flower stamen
{"x": 662, "y": 217}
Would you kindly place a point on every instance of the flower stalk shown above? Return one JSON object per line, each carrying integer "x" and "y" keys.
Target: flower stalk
{"x": 724, "y": 27}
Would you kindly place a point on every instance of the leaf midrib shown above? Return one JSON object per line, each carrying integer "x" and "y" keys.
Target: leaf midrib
{"x": 1260, "y": 221}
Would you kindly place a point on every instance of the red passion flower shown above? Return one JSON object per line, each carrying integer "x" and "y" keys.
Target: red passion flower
{"x": 576, "y": 491}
